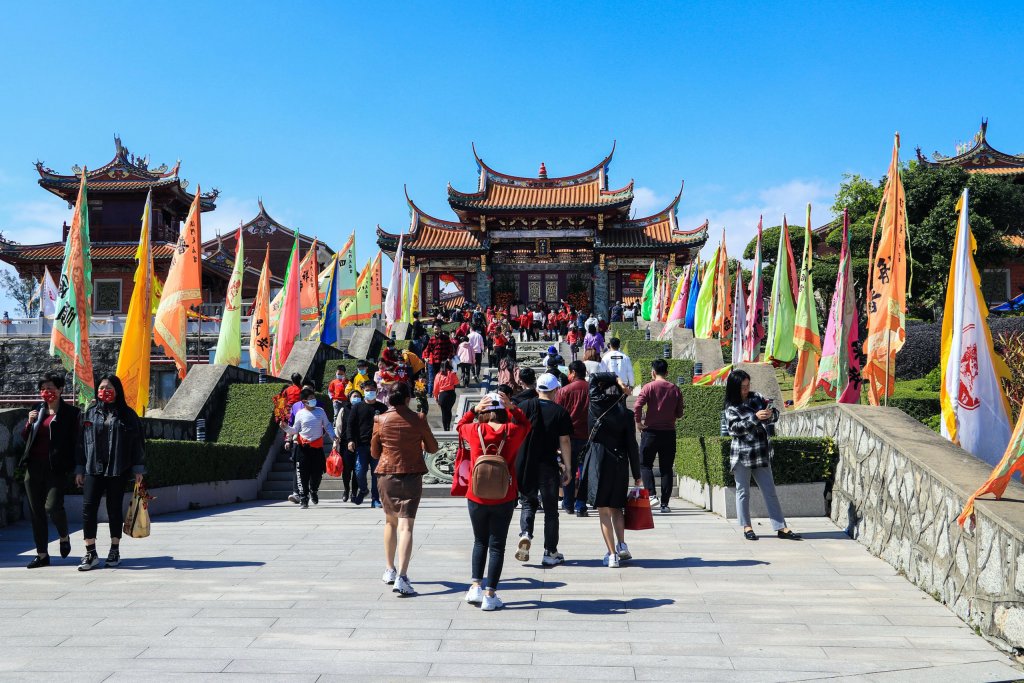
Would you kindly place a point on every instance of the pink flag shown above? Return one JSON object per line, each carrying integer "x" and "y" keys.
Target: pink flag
{"x": 288, "y": 324}
{"x": 754, "y": 332}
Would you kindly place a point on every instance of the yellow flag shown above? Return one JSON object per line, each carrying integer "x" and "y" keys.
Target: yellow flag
{"x": 133, "y": 358}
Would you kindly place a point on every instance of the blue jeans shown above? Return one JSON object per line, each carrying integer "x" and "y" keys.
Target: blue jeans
{"x": 569, "y": 501}
{"x": 432, "y": 370}
{"x": 364, "y": 465}
{"x": 765, "y": 482}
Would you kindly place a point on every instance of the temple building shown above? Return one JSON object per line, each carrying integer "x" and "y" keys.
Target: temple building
{"x": 978, "y": 156}
{"x": 117, "y": 196}
{"x": 542, "y": 239}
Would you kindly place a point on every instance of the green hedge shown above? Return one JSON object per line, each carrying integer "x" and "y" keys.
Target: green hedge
{"x": 916, "y": 398}
{"x": 703, "y": 413}
{"x": 174, "y": 463}
{"x": 400, "y": 345}
{"x": 626, "y": 334}
{"x": 677, "y": 367}
{"x": 797, "y": 460}
{"x": 350, "y": 371}
{"x": 248, "y": 417}
{"x": 647, "y": 349}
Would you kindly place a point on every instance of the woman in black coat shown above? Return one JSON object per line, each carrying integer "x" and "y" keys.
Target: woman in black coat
{"x": 51, "y": 436}
{"x": 109, "y": 453}
{"x": 611, "y": 456}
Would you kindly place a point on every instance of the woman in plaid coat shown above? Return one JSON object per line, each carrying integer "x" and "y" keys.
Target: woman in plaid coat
{"x": 749, "y": 416}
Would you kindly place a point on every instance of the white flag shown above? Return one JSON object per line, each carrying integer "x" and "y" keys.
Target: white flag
{"x": 975, "y": 413}
{"x": 393, "y": 301}
{"x": 739, "y": 317}
{"x": 48, "y": 296}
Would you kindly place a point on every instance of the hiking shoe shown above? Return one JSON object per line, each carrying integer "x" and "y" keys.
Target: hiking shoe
{"x": 113, "y": 557}
{"x": 89, "y": 561}
{"x": 38, "y": 562}
{"x": 552, "y": 559}
{"x": 389, "y": 576}
{"x": 293, "y": 498}
{"x": 65, "y": 548}
{"x": 475, "y": 595}
{"x": 403, "y": 587}
{"x": 622, "y": 550}
{"x": 314, "y": 498}
{"x": 665, "y": 509}
{"x": 523, "y": 552}
{"x": 611, "y": 560}
{"x": 491, "y": 603}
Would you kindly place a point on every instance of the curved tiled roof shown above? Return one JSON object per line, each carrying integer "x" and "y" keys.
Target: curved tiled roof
{"x": 107, "y": 251}
{"x": 980, "y": 157}
{"x": 657, "y": 231}
{"x": 427, "y": 233}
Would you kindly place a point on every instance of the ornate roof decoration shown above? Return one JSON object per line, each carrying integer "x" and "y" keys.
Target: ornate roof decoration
{"x": 427, "y": 233}
{"x": 100, "y": 251}
{"x": 978, "y": 156}
{"x": 503, "y": 192}
{"x": 262, "y": 225}
{"x": 660, "y": 230}
{"x": 125, "y": 172}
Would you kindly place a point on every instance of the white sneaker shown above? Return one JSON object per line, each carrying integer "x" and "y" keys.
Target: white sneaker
{"x": 403, "y": 587}
{"x": 389, "y": 576}
{"x": 622, "y": 550}
{"x": 654, "y": 500}
{"x": 612, "y": 560}
{"x": 552, "y": 559}
{"x": 523, "y": 552}
{"x": 475, "y": 595}
{"x": 491, "y": 603}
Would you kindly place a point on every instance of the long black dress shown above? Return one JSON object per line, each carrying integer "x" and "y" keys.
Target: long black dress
{"x": 613, "y": 451}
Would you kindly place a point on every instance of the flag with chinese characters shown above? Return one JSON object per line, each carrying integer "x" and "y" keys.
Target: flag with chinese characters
{"x": 647, "y": 297}
{"x": 376, "y": 286}
{"x": 229, "y": 342}
{"x": 887, "y": 286}
{"x": 329, "y": 319}
{"x": 691, "y": 299}
{"x": 806, "y": 332}
{"x": 753, "y": 335}
{"x": 134, "y": 355}
{"x": 288, "y": 326}
{"x": 839, "y": 370}
{"x": 975, "y": 412}
{"x": 722, "y": 325}
{"x": 704, "y": 318}
{"x": 309, "y": 292}
{"x": 182, "y": 290}
{"x": 677, "y": 311}
{"x": 259, "y": 321}
{"x": 357, "y": 309}
{"x": 779, "y": 346}
{"x": 69, "y": 340}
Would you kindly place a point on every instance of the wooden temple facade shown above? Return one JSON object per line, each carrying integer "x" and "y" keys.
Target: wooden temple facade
{"x": 519, "y": 239}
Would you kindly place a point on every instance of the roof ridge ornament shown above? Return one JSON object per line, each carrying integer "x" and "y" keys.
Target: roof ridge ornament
{"x": 543, "y": 172}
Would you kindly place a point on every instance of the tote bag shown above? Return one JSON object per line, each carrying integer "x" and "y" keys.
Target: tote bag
{"x": 638, "y": 510}
{"x": 136, "y": 522}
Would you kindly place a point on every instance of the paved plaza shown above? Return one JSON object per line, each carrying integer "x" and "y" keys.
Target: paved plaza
{"x": 266, "y": 591}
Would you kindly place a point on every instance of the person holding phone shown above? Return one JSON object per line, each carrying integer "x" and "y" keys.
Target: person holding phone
{"x": 749, "y": 416}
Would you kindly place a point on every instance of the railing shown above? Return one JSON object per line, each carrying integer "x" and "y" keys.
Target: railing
{"x": 113, "y": 326}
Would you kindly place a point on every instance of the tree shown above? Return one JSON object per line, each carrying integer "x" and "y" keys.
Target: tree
{"x": 22, "y": 290}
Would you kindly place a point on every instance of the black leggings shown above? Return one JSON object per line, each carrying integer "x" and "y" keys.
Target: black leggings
{"x": 490, "y": 529}
{"x": 348, "y": 477}
{"x": 45, "y": 498}
{"x": 99, "y": 486}
{"x": 446, "y": 401}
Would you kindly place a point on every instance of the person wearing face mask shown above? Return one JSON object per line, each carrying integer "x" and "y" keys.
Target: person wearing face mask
{"x": 337, "y": 390}
{"x": 348, "y": 477}
{"x": 359, "y": 428}
{"x": 51, "y": 436}
{"x": 110, "y": 449}
{"x": 362, "y": 374}
{"x": 309, "y": 428}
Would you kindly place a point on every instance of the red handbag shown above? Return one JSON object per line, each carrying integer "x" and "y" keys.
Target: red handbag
{"x": 461, "y": 471}
{"x": 335, "y": 465}
{"x": 638, "y": 510}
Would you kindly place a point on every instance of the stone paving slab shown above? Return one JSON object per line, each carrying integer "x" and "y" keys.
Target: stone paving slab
{"x": 266, "y": 591}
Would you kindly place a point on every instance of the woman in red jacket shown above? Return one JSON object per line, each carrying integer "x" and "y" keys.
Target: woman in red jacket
{"x": 496, "y": 426}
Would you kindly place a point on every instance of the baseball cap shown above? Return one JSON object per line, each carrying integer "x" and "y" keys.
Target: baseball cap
{"x": 548, "y": 382}
{"x": 495, "y": 401}
{"x": 552, "y": 351}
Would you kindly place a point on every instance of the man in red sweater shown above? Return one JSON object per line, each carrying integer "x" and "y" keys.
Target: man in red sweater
{"x": 575, "y": 398}
{"x": 664, "y": 404}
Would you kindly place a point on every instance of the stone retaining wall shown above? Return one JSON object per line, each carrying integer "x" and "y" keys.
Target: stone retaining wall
{"x": 898, "y": 489}
{"x": 11, "y": 448}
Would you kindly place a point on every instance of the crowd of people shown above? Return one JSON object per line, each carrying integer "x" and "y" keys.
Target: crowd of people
{"x": 560, "y": 438}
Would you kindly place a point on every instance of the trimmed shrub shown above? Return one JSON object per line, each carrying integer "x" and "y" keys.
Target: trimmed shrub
{"x": 916, "y": 399}
{"x": 676, "y": 367}
{"x": 797, "y": 460}
{"x": 174, "y": 463}
{"x": 647, "y": 349}
{"x": 703, "y": 413}
{"x": 350, "y": 371}
{"x": 400, "y": 345}
{"x": 248, "y": 416}
{"x": 922, "y": 351}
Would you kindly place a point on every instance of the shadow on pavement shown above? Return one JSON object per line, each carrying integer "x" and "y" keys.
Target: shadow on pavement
{"x": 168, "y": 562}
{"x": 839, "y": 534}
{"x": 670, "y": 563}
{"x": 598, "y": 607}
{"x": 519, "y": 583}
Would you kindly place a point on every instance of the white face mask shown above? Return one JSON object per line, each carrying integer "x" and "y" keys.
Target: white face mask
{"x": 311, "y": 403}
{"x": 356, "y": 398}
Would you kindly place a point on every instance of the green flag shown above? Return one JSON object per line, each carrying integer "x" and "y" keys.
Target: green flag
{"x": 229, "y": 343}
{"x": 647, "y": 298}
{"x": 705, "y": 314}
{"x": 782, "y": 306}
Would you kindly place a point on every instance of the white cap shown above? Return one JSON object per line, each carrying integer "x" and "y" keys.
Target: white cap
{"x": 495, "y": 400}
{"x": 548, "y": 382}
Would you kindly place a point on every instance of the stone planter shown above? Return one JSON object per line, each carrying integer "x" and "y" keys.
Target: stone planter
{"x": 798, "y": 500}
{"x": 169, "y": 499}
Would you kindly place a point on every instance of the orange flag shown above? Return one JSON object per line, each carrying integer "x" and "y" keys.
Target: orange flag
{"x": 309, "y": 287}
{"x": 376, "y": 287}
{"x": 723, "y": 299}
{"x": 182, "y": 290}
{"x": 259, "y": 321}
{"x": 887, "y": 286}
{"x": 1012, "y": 463}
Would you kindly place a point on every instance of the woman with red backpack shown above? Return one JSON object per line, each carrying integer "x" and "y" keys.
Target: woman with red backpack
{"x": 494, "y": 430}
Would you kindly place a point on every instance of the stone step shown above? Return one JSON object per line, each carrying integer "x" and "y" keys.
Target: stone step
{"x": 325, "y": 493}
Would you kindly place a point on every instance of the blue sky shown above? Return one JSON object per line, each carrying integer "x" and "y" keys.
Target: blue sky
{"x": 325, "y": 110}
